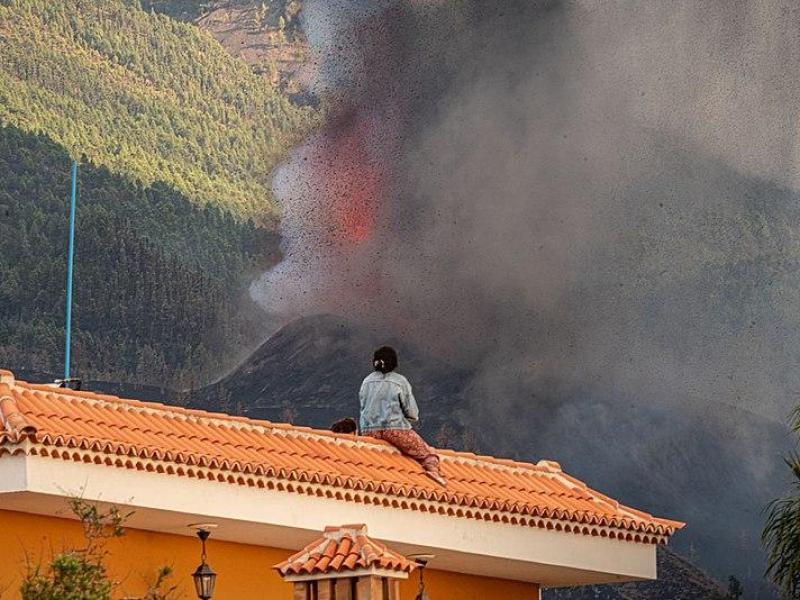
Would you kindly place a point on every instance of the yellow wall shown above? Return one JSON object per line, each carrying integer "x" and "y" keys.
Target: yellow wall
{"x": 244, "y": 571}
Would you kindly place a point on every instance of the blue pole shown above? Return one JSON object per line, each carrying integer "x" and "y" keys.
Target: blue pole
{"x": 70, "y": 254}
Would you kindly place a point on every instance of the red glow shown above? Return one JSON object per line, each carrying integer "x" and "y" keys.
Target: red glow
{"x": 352, "y": 184}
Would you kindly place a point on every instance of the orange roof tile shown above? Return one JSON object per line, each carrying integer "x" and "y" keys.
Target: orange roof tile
{"x": 344, "y": 549}
{"x": 62, "y": 424}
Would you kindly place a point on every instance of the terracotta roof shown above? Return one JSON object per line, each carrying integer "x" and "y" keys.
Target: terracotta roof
{"x": 344, "y": 549}
{"x": 84, "y": 426}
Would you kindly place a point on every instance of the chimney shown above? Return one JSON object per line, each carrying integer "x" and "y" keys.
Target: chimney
{"x": 345, "y": 564}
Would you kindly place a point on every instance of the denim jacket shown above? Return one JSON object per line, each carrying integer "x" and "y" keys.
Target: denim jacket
{"x": 387, "y": 402}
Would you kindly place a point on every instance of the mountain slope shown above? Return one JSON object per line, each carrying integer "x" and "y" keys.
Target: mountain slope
{"x": 677, "y": 579}
{"x": 159, "y": 283}
{"x": 147, "y": 97}
{"x": 309, "y": 372}
{"x": 176, "y": 140}
{"x": 266, "y": 34}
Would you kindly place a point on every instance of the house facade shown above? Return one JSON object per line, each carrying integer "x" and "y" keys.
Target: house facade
{"x": 500, "y": 529}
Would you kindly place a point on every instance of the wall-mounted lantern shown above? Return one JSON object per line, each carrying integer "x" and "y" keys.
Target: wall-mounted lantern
{"x": 422, "y": 560}
{"x": 204, "y": 576}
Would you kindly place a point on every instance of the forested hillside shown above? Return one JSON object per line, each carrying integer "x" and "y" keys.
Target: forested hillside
{"x": 176, "y": 141}
{"x": 146, "y": 96}
{"x": 159, "y": 290}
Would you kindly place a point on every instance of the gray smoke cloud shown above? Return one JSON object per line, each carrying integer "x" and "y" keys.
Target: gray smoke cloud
{"x": 585, "y": 191}
{"x": 576, "y": 201}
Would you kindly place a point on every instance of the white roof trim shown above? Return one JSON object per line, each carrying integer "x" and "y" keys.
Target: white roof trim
{"x": 282, "y": 519}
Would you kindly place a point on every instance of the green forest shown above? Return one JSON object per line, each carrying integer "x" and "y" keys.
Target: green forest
{"x": 147, "y": 97}
{"x": 159, "y": 283}
{"x": 176, "y": 141}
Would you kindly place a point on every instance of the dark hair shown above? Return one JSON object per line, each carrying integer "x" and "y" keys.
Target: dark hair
{"x": 346, "y": 425}
{"x": 384, "y": 359}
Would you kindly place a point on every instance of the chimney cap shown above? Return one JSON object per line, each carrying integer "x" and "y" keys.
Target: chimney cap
{"x": 362, "y": 557}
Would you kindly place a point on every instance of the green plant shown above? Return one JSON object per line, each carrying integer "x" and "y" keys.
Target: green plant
{"x": 159, "y": 589}
{"x": 781, "y": 535}
{"x": 78, "y": 573}
{"x": 71, "y": 576}
{"x": 260, "y": 18}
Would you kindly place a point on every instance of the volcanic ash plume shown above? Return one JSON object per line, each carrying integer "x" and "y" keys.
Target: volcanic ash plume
{"x": 329, "y": 189}
{"x": 597, "y": 194}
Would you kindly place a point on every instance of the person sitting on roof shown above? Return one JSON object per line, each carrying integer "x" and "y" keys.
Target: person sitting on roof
{"x": 388, "y": 408}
